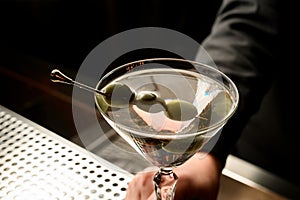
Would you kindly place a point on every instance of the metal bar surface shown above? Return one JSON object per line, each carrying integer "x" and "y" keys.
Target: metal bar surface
{"x": 36, "y": 163}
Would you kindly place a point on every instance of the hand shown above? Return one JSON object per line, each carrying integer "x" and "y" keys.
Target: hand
{"x": 199, "y": 178}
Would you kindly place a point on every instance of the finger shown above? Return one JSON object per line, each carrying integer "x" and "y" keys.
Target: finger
{"x": 131, "y": 192}
{"x": 152, "y": 196}
{"x": 141, "y": 187}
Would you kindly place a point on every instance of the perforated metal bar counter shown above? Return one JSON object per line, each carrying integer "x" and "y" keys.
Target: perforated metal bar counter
{"x": 35, "y": 163}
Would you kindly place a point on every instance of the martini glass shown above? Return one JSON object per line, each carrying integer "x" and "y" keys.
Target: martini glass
{"x": 167, "y": 109}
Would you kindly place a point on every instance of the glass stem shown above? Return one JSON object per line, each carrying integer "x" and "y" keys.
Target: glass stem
{"x": 165, "y": 183}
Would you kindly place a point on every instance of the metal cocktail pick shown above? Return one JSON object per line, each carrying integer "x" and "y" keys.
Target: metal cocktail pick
{"x": 59, "y": 77}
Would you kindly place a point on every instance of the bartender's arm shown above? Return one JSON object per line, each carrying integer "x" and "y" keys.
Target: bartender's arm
{"x": 242, "y": 44}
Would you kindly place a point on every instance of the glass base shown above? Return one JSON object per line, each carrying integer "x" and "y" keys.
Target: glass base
{"x": 165, "y": 181}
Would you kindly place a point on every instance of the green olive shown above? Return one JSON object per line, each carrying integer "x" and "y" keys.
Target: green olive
{"x": 102, "y": 103}
{"x": 149, "y": 101}
{"x": 181, "y": 110}
{"x": 146, "y": 97}
{"x": 118, "y": 95}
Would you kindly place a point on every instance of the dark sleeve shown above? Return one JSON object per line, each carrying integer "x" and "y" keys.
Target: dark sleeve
{"x": 242, "y": 44}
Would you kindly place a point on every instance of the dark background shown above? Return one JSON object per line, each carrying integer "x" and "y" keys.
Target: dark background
{"x": 64, "y": 32}
{"x": 39, "y": 35}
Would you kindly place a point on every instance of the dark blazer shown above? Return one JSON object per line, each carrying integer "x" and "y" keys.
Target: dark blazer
{"x": 252, "y": 41}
